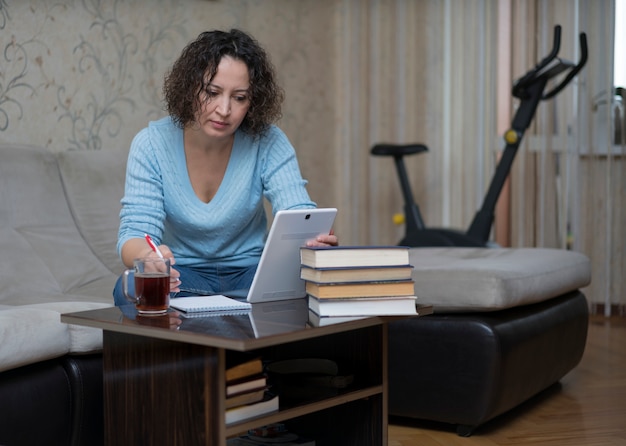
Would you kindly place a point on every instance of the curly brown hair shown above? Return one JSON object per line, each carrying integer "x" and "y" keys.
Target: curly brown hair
{"x": 187, "y": 79}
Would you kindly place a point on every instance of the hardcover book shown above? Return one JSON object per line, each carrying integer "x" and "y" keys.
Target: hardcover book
{"x": 241, "y": 399}
{"x": 353, "y": 256}
{"x": 368, "y": 306}
{"x": 269, "y": 403}
{"x": 356, "y": 274}
{"x": 360, "y": 289}
{"x": 244, "y": 369}
{"x": 246, "y": 384}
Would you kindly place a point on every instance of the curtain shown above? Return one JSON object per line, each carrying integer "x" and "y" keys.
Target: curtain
{"x": 569, "y": 187}
{"x": 414, "y": 72}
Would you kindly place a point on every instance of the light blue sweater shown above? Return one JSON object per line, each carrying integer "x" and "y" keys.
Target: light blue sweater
{"x": 231, "y": 229}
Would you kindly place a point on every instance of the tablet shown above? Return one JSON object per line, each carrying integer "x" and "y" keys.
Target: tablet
{"x": 278, "y": 275}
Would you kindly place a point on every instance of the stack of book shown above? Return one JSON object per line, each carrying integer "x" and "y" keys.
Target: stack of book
{"x": 358, "y": 280}
{"x": 247, "y": 393}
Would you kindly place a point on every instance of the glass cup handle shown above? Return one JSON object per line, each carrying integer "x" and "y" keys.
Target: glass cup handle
{"x": 129, "y": 298}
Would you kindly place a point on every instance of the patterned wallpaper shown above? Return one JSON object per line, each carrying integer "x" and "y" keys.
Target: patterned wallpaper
{"x": 87, "y": 74}
{"x": 74, "y": 72}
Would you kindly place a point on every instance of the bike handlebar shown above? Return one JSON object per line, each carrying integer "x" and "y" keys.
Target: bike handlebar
{"x": 543, "y": 73}
{"x": 574, "y": 71}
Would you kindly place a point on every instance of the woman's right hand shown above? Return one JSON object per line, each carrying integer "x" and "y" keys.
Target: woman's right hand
{"x": 174, "y": 274}
{"x": 138, "y": 248}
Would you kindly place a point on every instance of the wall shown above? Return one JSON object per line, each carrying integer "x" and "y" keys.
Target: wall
{"x": 87, "y": 75}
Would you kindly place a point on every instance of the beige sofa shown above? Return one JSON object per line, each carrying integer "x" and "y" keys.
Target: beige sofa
{"x": 58, "y": 225}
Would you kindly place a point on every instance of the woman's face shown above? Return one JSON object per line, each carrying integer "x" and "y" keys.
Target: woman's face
{"x": 225, "y": 100}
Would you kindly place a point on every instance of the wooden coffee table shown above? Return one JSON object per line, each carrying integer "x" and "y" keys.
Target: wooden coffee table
{"x": 164, "y": 384}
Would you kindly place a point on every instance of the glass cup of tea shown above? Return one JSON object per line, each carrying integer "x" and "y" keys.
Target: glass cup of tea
{"x": 152, "y": 285}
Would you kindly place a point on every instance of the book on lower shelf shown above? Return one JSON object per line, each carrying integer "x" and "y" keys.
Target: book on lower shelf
{"x": 248, "y": 367}
{"x": 364, "y": 306}
{"x": 343, "y": 274}
{"x": 248, "y": 397}
{"x": 360, "y": 289}
{"x": 353, "y": 256}
{"x": 245, "y": 381}
{"x": 268, "y": 404}
{"x": 246, "y": 384}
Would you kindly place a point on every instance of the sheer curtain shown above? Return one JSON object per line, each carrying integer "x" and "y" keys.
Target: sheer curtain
{"x": 410, "y": 71}
{"x": 569, "y": 187}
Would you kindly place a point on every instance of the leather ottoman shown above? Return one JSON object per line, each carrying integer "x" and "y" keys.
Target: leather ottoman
{"x": 476, "y": 358}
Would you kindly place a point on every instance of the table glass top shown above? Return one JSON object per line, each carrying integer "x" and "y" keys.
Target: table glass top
{"x": 265, "y": 324}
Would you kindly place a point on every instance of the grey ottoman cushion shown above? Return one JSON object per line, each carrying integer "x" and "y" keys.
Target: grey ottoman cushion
{"x": 483, "y": 279}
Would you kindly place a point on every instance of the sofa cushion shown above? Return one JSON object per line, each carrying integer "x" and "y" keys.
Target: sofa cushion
{"x": 64, "y": 254}
{"x": 24, "y": 274}
{"x": 33, "y": 333}
{"x": 45, "y": 233}
{"x": 484, "y": 279}
{"x": 30, "y": 188}
{"x": 41, "y": 272}
{"x": 101, "y": 174}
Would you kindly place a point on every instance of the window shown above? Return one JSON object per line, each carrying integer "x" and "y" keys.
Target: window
{"x": 619, "y": 74}
{"x": 619, "y": 71}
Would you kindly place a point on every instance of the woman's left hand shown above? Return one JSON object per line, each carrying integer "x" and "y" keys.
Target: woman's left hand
{"x": 324, "y": 240}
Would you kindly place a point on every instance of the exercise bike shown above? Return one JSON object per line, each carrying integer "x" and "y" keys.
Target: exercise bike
{"x": 530, "y": 90}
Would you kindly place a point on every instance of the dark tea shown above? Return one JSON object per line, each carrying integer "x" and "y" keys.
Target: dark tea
{"x": 152, "y": 291}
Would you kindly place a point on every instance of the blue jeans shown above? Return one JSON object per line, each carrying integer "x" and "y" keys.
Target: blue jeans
{"x": 213, "y": 279}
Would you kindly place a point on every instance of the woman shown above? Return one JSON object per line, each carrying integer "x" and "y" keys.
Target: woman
{"x": 196, "y": 180}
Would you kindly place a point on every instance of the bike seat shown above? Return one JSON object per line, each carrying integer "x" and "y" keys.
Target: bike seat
{"x": 398, "y": 149}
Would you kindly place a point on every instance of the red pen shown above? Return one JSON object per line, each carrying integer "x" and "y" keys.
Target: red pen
{"x": 153, "y": 246}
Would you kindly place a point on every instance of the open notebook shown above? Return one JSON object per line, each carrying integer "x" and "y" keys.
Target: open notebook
{"x": 203, "y": 304}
